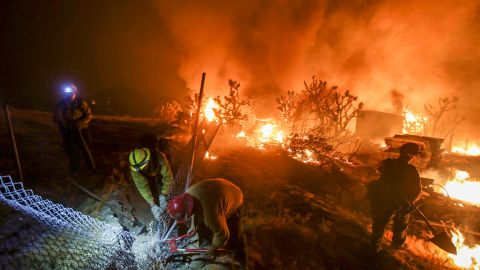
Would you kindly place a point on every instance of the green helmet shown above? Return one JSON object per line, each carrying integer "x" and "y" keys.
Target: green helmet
{"x": 139, "y": 159}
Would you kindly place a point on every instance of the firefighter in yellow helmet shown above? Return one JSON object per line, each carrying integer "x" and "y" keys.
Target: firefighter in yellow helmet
{"x": 152, "y": 175}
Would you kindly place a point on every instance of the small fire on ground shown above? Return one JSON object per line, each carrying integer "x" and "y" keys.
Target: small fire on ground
{"x": 462, "y": 188}
{"x": 469, "y": 150}
{"x": 467, "y": 257}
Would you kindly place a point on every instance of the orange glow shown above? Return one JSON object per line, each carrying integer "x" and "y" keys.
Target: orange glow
{"x": 473, "y": 150}
{"x": 270, "y": 133}
{"x": 208, "y": 156}
{"x": 209, "y": 110}
{"x": 467, "y": 257}
{"x": 266, "y": 131}
{"x": 463, "y": 189}
{"x": 413, "y": 124}
{"x": 241, "y": 134}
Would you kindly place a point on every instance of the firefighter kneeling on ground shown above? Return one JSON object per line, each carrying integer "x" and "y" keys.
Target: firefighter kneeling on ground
{"x": 216, "y": 208}
{"x": 152, "y": 175}
{"x": 394, "y": 194}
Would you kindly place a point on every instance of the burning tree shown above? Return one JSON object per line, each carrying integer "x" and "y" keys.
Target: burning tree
{"x": 168, "y": 112}
{"x": 437, "y": 115}
{"x": 287, "y": 106}
{"x": 325, "y": 136}
{"x": 340, "y": 109}
{"x": 231, "y": 107}
{"x": 191, "y": 103}
{"x": 334, "y": 110}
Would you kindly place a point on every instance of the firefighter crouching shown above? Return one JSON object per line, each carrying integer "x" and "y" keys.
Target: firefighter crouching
{"x": 152, "y": 175}
{"x": 393, "y": 194}
{"x": 216, "y": 208}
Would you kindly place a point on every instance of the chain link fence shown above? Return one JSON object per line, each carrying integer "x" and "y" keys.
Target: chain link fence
{"x": 38, "y": 234}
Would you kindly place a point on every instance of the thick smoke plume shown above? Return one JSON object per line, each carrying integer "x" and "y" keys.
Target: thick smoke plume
{"x": 422, "y": 49}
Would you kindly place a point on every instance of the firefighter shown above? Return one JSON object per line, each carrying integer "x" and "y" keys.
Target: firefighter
{"x": 72, "y": 115}
{"x": 215, "y": 205}
{"x": 393, "y": 195}
{"x": 151, "y": 173}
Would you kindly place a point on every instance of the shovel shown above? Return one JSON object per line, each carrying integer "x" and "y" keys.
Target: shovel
{"x": 441, "y": 239}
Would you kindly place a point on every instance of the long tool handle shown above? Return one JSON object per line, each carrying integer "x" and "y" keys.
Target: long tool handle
{"x": 195, "y": 130}
{"x": 426, "y": 221}
{"x": 12, "y": 137}
{"x": 136, "y": 222}
{"x": 85, "y": 146}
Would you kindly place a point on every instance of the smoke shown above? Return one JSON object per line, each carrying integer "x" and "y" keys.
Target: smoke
{"x": 397, "y": 101}
{"x": 423, "y": 49}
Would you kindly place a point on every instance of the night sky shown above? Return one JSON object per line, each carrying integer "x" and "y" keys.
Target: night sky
{"x": 107, "y": 48}
{"x": 144, "y": 53}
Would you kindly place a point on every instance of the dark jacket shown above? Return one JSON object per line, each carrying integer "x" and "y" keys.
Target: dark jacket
{"x": 72, "y": 114}
{"x": 399, "y": 182}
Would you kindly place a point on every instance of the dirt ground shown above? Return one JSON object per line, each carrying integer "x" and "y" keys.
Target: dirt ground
{"x": 296, "y": 216}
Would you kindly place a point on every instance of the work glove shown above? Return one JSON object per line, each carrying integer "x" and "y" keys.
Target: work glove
{"x": 156, "y": 211}
{"x": 163, "y": 202}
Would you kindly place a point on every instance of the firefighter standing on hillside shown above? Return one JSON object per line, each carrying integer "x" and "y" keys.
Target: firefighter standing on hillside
{"x": 215, "y": 205}
{"x": 72, "y": 115}
{"x": 393, "y": 194}
{"x": 151, "y": 173}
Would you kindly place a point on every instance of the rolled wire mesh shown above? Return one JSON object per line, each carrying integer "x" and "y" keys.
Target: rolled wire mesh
{"x": 40, "y": 234}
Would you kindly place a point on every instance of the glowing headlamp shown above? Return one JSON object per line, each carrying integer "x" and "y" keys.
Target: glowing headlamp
{"x": 68, "y": 89}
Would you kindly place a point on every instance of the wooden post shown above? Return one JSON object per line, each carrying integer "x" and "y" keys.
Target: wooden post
{"x": 195, "y": 130}
{"x": 12, "y": 137}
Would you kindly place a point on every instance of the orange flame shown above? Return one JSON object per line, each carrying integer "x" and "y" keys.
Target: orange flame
{"x": 209, "y": 110}
{"x": 413, "y": 124}
{"x": 208, "y": 156}
{"x": 462, "y": 189}
{"x": 473, "y": 150}
{"x": 467, "y": 257}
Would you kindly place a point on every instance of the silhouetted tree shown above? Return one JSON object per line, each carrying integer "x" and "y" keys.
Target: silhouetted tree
{"x": 168, "y": 112}
{"x": 231, "y": 106}
{"x": 438, "y": 112}
{"x": 287, "y": 106}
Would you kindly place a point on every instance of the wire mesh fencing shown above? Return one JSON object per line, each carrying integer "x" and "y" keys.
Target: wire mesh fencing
{"x": 40, "y": 234}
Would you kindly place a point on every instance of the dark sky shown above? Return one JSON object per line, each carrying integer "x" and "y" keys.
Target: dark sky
{"x": 105, "y": 47}
{"x": 148, "y": 52}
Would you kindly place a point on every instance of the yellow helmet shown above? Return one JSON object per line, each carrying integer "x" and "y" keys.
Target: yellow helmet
{"x": 139, "y": 159}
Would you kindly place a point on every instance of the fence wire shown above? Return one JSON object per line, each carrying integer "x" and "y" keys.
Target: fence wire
{"x": 40, "y": 234}
{"x": 36, "y": 233}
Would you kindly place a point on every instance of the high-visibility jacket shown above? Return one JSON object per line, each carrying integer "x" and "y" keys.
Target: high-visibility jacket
{"x": 155, "y": 179}
{"x": 72, "y": 114}
{"x": 219, "y": 199}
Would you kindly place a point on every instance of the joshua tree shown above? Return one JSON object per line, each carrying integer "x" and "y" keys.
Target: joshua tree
{"x": 231, "y": 106}
{"x": 287, "y": 106}
{"x": 191, "y": 103}
{"x": 340, "y": 109}
{"x": 168, "y": 112}
{"x": 333, "y": 109}
{"x": 437, "y": 113}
